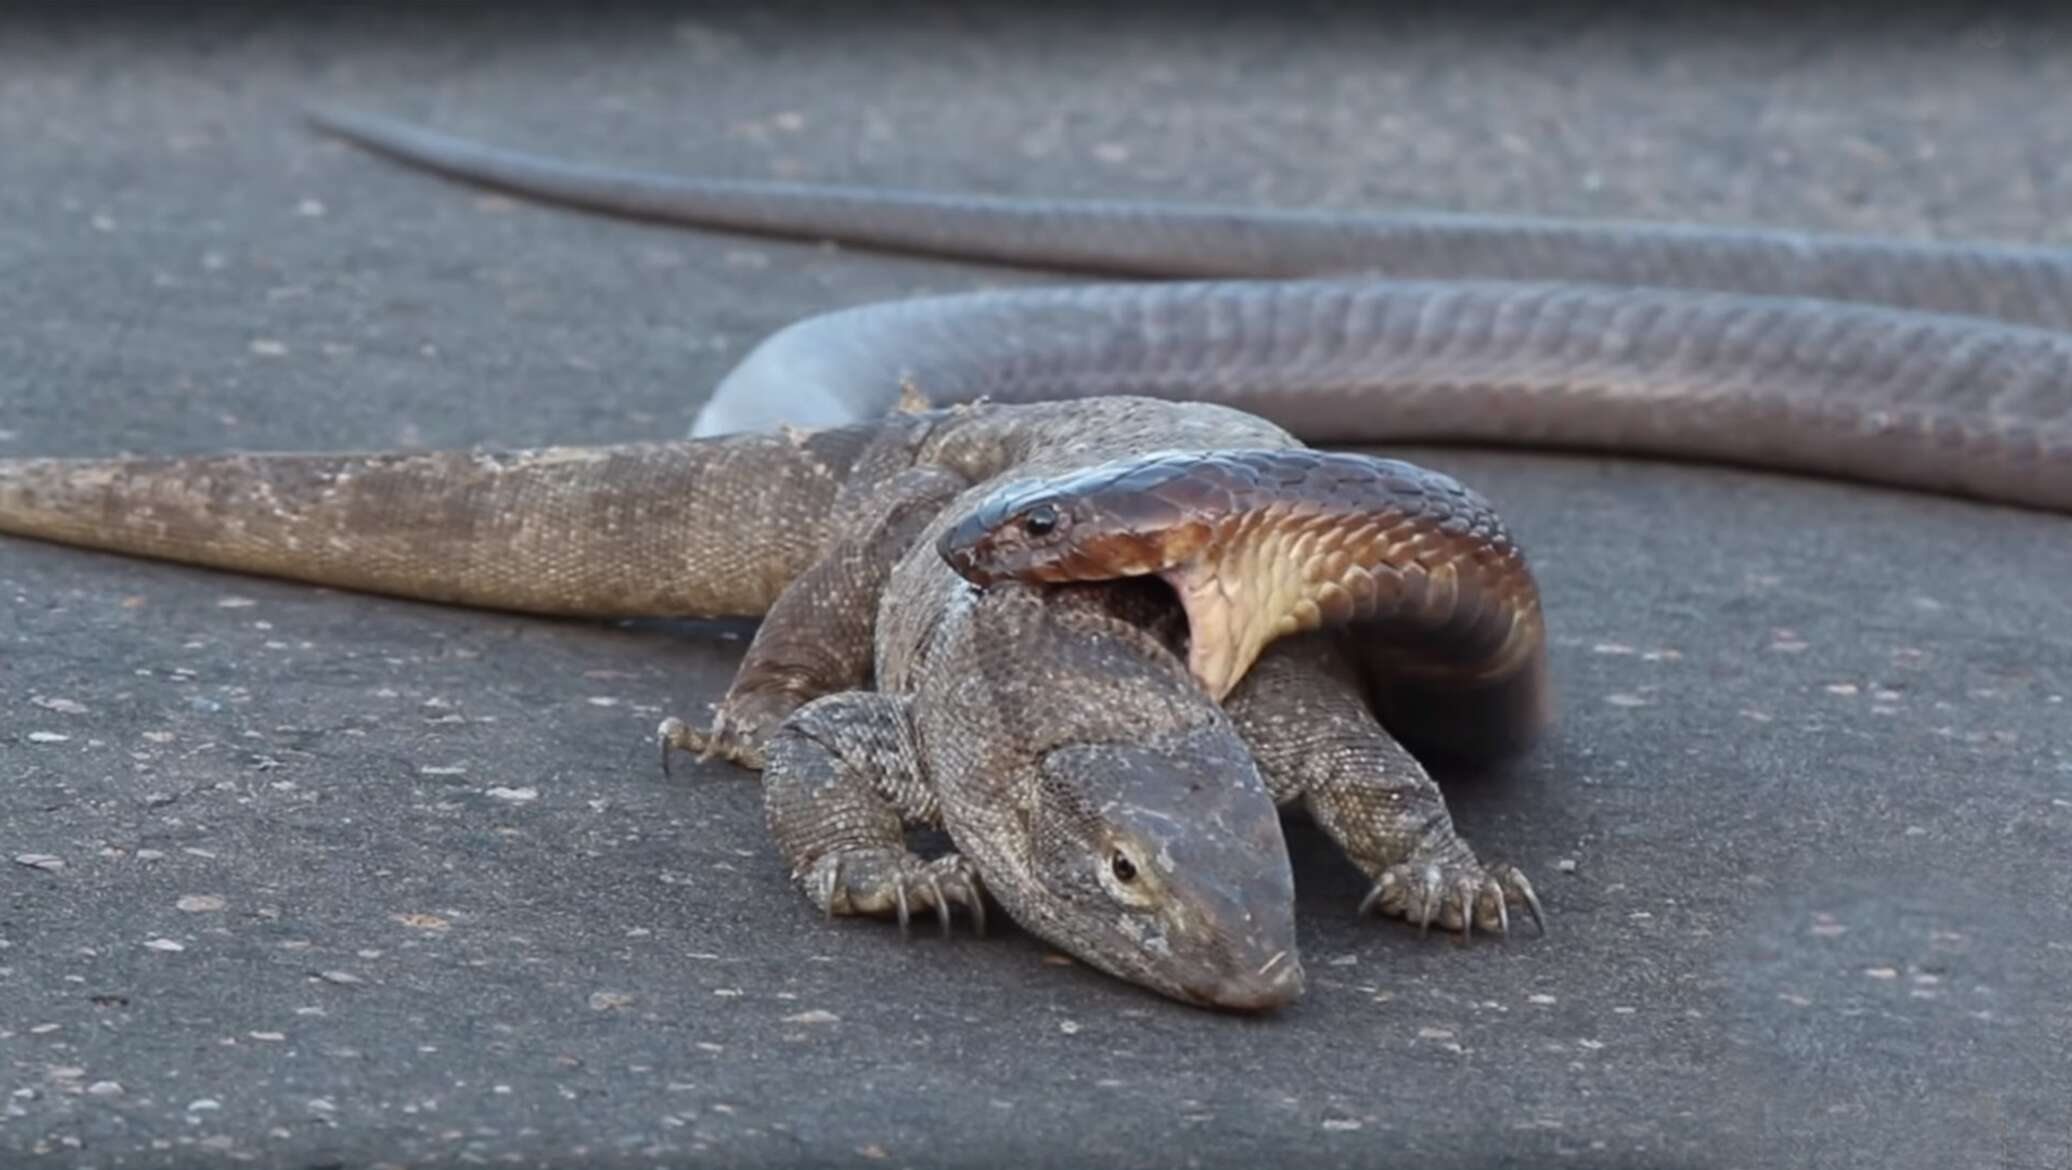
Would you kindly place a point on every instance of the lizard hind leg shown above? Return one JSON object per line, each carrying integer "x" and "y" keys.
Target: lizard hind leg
{"x": 819, "y": 636}
{"x": 842, "y": 783}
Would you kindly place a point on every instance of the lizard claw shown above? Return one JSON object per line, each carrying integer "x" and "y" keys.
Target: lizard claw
{"x": 1495, "y": 890}
{"x": 1464, "y": 889}
{"x": 1389, "y": 882}
{"x": 828, "y": 888}
{"x": 897, "y": 884}
{"x": 911, "y": 399}
{"x": 1431, "y": 901}
{"x": 942, "y": 904}
{"x": 672, "y": 735}
{"x": 1516, "y": 880}
{"x": 1455, "y": 896}
{"x": 974, "y": 899}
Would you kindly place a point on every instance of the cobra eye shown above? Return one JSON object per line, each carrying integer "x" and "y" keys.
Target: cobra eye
{"x": 1124, "y": 869}
{"x": 1040, "y": 520}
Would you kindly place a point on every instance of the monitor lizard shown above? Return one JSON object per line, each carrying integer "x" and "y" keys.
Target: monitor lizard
{"x": 1087, "y": 781}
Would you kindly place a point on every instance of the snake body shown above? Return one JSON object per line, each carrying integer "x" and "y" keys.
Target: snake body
{"x": 1939, "y": 366}
{"x": 1944, "y": 367}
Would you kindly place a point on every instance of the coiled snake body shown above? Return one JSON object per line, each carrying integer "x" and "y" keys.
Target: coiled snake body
{"x": 1944, "y": 367}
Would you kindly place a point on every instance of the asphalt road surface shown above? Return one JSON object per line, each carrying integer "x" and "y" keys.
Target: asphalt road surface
{"x": 318, "y": 879}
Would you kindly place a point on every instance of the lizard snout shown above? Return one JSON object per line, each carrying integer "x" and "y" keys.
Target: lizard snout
{"x": 1276, "y": 982}
{"x": 1239, "y": 952}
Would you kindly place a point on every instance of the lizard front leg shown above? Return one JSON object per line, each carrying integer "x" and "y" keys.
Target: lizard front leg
{"x": 1302, "y": 711}
{"x": 818, "y": 637}
{"x": 842, "y": 782}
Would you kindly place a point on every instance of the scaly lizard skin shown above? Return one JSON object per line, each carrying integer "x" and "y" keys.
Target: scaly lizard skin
{"x": 1085, "y": 779}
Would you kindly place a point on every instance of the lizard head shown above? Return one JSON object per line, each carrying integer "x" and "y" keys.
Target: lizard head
{"x": 1163, "y": 862}
{"x": 1109, "y": 804}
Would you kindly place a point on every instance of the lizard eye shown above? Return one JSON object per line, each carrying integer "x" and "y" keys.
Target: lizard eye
{"x": 1041, "y": 520}
{"x": 1124, "y": 869}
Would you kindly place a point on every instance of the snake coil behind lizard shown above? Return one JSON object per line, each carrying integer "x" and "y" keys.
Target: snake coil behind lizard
{"x": 1939, "y": 366}
{"x": 1944, "y": 367}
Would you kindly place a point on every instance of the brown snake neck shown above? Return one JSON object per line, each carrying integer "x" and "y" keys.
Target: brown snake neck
{"x": 1262, "y": 544}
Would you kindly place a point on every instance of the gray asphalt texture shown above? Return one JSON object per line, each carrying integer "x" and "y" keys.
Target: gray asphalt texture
{"x": 318, "y": 879}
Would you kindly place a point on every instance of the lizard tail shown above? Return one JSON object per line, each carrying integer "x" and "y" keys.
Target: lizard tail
{"x": 706, "y": 528}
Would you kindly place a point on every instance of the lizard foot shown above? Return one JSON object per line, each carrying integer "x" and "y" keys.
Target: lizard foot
{"x": 894, "y": 882}
{"x": 739, "y": 730}
{"x": 1458, "y": 896}
{"x": 725, "y": 742}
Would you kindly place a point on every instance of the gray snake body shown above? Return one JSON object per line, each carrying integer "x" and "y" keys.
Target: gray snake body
{"x": 1944, "y": 367}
